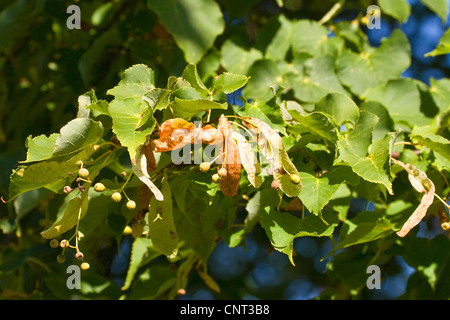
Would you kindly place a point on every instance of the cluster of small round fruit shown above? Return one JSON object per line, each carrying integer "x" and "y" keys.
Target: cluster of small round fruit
{"x": 295, "y": 179}
{"x": 116, "y": 196}
{"x": 222, "y": 172}
{"x": 64, "y": 244}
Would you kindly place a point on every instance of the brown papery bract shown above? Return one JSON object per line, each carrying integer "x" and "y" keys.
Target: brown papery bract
{"x": 172, "y": 134}
{"x": 176, "y": 133}
{"x": 229, "y": 184}
{"x": 147, "y": 150}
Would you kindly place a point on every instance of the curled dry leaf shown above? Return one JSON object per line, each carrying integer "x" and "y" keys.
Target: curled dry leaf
{"x": 176, "y": 133}
{"x": 271, "y": 145}
{"x": 248, "y": 159}
{"x": 172, "y": 134}
{"x": 140, "y": 170}
{"x": 229, "y": 159}
{"x": 423, "y": 184}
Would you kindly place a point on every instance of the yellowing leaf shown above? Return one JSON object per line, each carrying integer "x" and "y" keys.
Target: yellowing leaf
{"x": 421, "y": 183}
{"x": 248, "y": 159}
{"x": 140, "y": 170}
{"x": 271, "y": 145}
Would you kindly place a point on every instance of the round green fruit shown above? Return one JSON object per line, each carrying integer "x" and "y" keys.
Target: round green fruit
{"x": 54, "y": 243}
{"x": 83, "y": 173}
{"x": 222, "y": 172}
{"x": 131, "y": 205}
{"x": 116, "y": 197}
{"x": 99, "y": 187}
{"x": 295, "y": 178}
{"x": 205, "y": 166}
{"x": 216, "y": 178}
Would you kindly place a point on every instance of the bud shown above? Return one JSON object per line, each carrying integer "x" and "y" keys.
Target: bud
{"x": 67, "y": 189}
{"x": 54, "y": 243}
{"x": 61, "y": 258}
{"x": 64, "y": 243}
{"x": 275, "y": 184}
{"x": 79, "y": 255}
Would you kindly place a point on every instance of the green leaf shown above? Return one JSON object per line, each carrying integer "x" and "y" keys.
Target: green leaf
{"x": 402, "y": 99}
{"x": 83, "y": 102}
{"x": 51, "y": 174}
{"x": 132, "y": 122}
{"x": 427, "y": 256}
{"x": 29, "y": 200}
{"x": 40, "y": 147}
{"x": 99, "y": 107}
{"x": 318, "y": 191}
{"x": 355, "y": 145}
{"x": 197, "y": 229}
{"x": 439, "y": 7}
{"x": 236, "y": 59}
{"x": 282, "y": 228}
{"x": 370, "y": 161}
{"x": 73, "y": 210}
{"x": 190, "y": 74}
{"x": 308, "y": 37}
{"x": 316, "y": 123}
{"x": 157, "y": 99}
{"x": 142, "y": 252}
{"x": 360, "y": 72}
{"x": 152, "y": 283}
{"x": 275, "y": 38}
{"x": 385, "y": 123}
{"x": 186, "y": 109}
{"x": 440, "y": 91}
{"x": 398, "y": 9}
{"x": 340, "y": 107}
{"x": 436, "y": 143}
{"x": 229, "y": 82}
{"x": 443, "y": 46}
{"x": 267, "y": 111}
{"x": 76, "y": 135}
{"x": 366, "y": 226}
{"x": 162, "y": 229}
{"x": 135, "y": 82}
{"x": 180, "y": 185}
{"x": 313, "y": 79}
{"x": 94, "y": 57}
{"x": 262, "y": 198}
{"x": 194, "y": 24}
{"x": 263, "y": 74}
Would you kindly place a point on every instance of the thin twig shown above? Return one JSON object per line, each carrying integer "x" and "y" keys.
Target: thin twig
{"x": 332, "y": 12}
